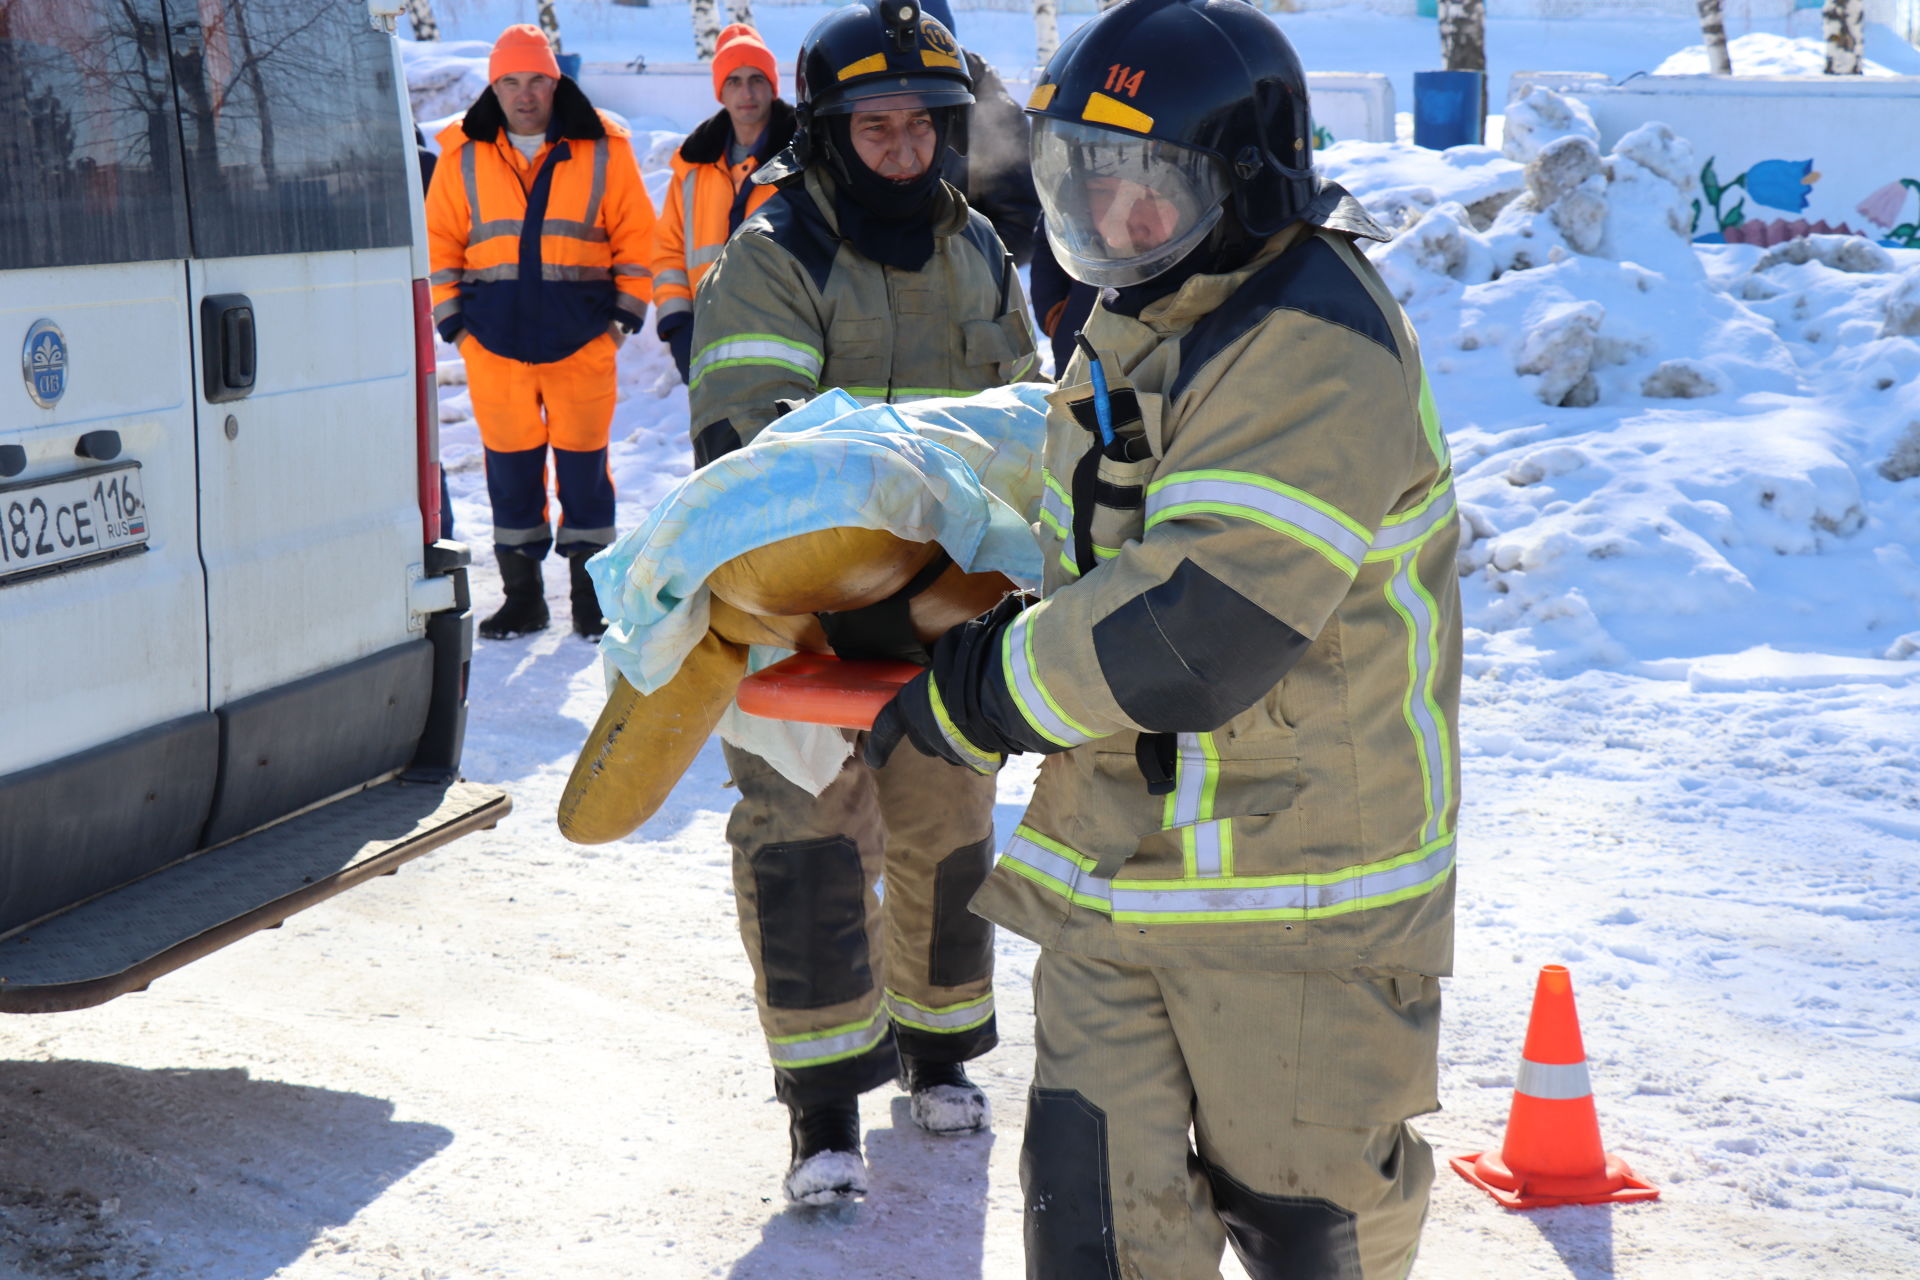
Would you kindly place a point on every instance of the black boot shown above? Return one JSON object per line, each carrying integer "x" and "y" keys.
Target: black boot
{"x": 940, "y": 1097}
{"x": 827, "y": 1167}
{"x": 586, "y": 602}
{"x": 525, "y": 609}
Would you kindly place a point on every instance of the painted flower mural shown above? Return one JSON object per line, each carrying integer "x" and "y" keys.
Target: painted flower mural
{"x": 1781, "y": 184}
{"x": 1883, "y": 207}
{"x": 1777, "y": 184}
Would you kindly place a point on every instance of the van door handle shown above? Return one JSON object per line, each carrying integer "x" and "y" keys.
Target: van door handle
{"x": 227, "y": 346}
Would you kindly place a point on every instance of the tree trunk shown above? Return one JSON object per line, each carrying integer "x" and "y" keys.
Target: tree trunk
{"x": 1463, "y": 43}
{"x": 550, "y": 23}
{"x": 1843, "y": 21}
{"x": 1713, "y": 29}
{"x": 740, "y": 11}
{"x": 420, "y": 14}
{"x": 1046, "y": 30}
{"x": 706, "y": 29}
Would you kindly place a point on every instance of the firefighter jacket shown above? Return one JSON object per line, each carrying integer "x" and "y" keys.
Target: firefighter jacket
{"x": 536, "y": 258}
{"x": 707, "y": 199}
{"x": 791, "y": 309}
{"x": 1292, "y": 501}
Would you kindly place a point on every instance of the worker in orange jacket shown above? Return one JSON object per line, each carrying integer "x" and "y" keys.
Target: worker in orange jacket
{"x": 540, "y": 231}
{"x": 710, "y": 194}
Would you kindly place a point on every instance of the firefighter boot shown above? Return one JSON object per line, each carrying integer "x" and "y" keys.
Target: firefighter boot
{"x": 525, "y": 609}
{"x": 827, "y": 1167}
{"x": 940, "y": 1097}
{"x": 586, "y": 602}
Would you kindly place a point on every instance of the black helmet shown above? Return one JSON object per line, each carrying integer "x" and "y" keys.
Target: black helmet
{"x": 879, "y": 49}
{"x": 1186, "y": 101}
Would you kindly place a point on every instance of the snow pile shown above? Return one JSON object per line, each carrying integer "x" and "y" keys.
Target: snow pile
{"x": 1762, "y": 53}
{"x": 443, "y": 77}
{"x": 1659, "y": 443}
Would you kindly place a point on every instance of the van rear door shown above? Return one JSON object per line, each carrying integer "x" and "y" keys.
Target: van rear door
{"x": 102, "y": 631}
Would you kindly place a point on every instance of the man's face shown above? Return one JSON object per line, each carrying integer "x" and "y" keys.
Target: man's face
{"x": 1131, "y": 218}
{"x": 527, "y": 98}
{"x": 747, "y": 97}
{"x": 897, "y": 143}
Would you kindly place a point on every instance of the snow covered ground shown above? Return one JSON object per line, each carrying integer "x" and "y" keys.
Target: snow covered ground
{"x": 1691, "y": 739}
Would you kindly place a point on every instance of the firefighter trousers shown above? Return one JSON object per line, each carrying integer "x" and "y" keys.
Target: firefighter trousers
{"x": 522, "y": 409}
{"x": 1175, "y": 1110}
{"x": 853, "y": 909}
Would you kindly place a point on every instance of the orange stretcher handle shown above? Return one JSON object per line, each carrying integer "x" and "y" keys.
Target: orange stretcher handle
{"x": 816, "y": 688}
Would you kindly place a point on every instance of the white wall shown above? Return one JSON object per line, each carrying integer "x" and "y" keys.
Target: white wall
{"x": 1739, "y": 122}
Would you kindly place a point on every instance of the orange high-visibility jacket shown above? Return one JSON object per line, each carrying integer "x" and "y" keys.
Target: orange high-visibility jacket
{"x": 538, "y": 297}
{"x": 706, "y": 201}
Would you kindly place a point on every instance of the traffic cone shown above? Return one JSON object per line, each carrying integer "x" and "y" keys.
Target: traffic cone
{"x": 1552, "y": 1154}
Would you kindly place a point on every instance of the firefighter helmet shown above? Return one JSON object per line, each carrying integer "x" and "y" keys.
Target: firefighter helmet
{"x": 1150, "y": 116}
{"x": 879, "y": 49}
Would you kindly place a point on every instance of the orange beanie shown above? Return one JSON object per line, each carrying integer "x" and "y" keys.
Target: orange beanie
{"x": 522, "y": 49}
{"x": 741, "y": 46}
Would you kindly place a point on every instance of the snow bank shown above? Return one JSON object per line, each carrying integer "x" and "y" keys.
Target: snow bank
{"x": 1661, "y": 446}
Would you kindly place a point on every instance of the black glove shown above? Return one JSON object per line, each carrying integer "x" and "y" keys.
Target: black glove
{"x": 959, "y": 709}
{"x": 676, "y": 331}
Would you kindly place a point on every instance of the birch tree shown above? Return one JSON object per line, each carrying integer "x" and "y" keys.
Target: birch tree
{"x": 1843, "y": 22}
{"x": 420, "y": 14}
{"x": 1046, "y": 30}
{"x": 740, "y": 11}
{"x": 1463, "y": 41}
{"x": 550, "y": 24}
{"x": 706, "y": 29}
{"x": 1713, "y": 29}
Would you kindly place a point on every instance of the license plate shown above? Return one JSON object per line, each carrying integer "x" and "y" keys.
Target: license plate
{"x": 74, "y": 517}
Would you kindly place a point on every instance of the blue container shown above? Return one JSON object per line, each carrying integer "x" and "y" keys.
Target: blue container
{"x": 569, "y": 65}
{"x": 1446, "y": 108}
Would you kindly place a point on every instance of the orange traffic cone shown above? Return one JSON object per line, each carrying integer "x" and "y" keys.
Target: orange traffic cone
{"x": 1552, "y": 1154}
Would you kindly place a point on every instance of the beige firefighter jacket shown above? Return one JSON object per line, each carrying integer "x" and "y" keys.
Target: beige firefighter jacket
{"x": 1298, "y": 490}
{"x": 791, "y": 309}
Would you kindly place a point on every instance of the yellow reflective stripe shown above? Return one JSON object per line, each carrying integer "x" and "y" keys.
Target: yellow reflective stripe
{"x": 1430, "y": 423}
{"x": 944, "y": 1019}
{"x": 1101, "y": 109}
{"x": 1217, "y": 899}
{"x": 1022, "y": 676}
{"x": 860, "y": 67}
{"x": 980, "y": 761}
{"x": 1408, "y": 597}
{"x": 1311, "y": 521}
{"x": 835, "y": 1044}
{"x": 1196, "y": 776}
{"x": 1408, "y": 530}
{"x": 756, "y": 348}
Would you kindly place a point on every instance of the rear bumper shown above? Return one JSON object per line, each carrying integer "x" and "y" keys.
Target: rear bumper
{"x": 122, "y": 940}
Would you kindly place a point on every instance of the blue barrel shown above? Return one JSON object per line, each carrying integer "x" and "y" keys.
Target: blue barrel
{"x": 569, "y": 65}
{"x": 1446, "y": 108}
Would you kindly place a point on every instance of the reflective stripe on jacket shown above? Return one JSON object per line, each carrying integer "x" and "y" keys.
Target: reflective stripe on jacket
{"x": 536, "y": 258}
{"x": 704, "y": 203}
{"x": 791, "y": 309}
{"x": 1296, "y": 505}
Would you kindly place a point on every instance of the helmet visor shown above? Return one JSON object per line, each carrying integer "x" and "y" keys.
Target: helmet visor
{"x": 1121, "y": 208}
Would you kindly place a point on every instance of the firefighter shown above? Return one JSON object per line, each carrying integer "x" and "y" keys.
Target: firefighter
{"x": 865, "y": 272}
{"x": 1238, "y": 861}
{"x": 710, "y": 195}
{"x": 540, "y": 233}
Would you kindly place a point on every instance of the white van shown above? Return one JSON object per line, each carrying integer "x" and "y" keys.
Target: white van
{"x": 233, "y": 648}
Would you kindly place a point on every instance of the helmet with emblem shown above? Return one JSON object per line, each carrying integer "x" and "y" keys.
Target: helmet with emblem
{"x": 1149, "y": 118}
{"x": 880, "y": 51}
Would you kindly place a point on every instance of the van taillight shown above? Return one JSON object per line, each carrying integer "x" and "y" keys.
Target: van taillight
{"x": 427, "y": 413}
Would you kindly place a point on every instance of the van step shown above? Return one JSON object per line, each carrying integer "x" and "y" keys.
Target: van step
{"x": 122, "y": 940}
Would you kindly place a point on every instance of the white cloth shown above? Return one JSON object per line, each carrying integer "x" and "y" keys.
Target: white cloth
{"x": 529, "y": 144}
